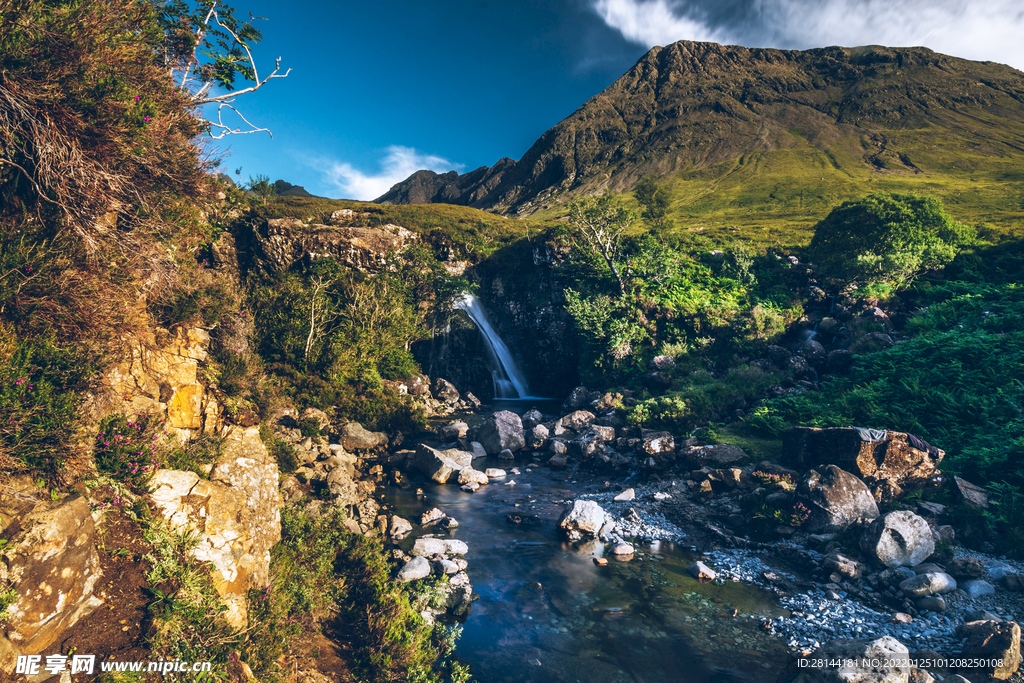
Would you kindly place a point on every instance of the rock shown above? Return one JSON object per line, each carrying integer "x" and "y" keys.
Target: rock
{"x": 472, "y": 487}
{"x": 835, "y": 498}
{"x": 796, "y": 365}
{"x": 927, "y": 567}
{"x": 445, "y": 391}
{"x": 716, "y": 456}
{"x": 998, "y": 640}
{"x": 969, "y": 493}
{"x": 658, "y": 443}
{"x": 865, "y": 660}
{"x": 558, "y": 461}
{"x": 342, "y": 487}
{"x": 966, "y": 568}
{"x": 625, "y": 496}
{"x": 536, "y": 436}
{"x": 920, "y": 676}
{"x": 975, "y": 588}
{"x": 851, "y": 569}
{"x": 1012, "y": 582}
{"x": 477, "y": 449}
{"x": 662, "y": 363}
{"x": 600, "y": 562}
{"x": 584, "y": 520}
{"x": 813, "y": 353}
{"x": 932, "y": 583}
{"x": 472, "y": 400}
{"x": 589, "y": 443}
{"x": 355, "y": 438}
{"x": 50, "y": 561}
{"x": 400, "y": 528}
{"x": 469, "y": 475}
{"x": 532, "y": 418}
{"x": 902, "y": 618}
{"x": 429, "y": 547}
{"x": 899, "y": 539}
{"x": 453, "y": 431}
{"x": 558, "y": 447}
{"x": 928, "y": 507}
{"x": 495, "y": 473}
{"x": 577, "y": 421}
{"x": 431, "y": 516}
{"x": 702, "y": 572}
{"x": 506, "y": 455}
{"x": 931, "y": 603}
{"x": 622, "y": 548}
{"x": 440, "y": 465}
{"x": 890, "y": 466}
{"x": 237, "y": 514}
{"x": 980, "y": 615}
{"x": 503, "y": 430}
{"x": 415, "y": 569}
{"x": 580, "y": 397}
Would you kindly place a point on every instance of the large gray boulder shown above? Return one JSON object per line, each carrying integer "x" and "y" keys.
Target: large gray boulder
{"x": 502, "y": 430}
{"x": 415, "y": 569}
{"x": 584, "y": 520}
{"x": 440, "y": 465}
{"x": 355, "y": 437}
{"x": 864, "y": 660}
{"x": 899, "y": 539}
{"x": 835, "y": 498}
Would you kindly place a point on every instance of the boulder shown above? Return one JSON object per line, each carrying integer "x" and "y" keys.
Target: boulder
{"x": 453, "y": 431}
{"x": 584, "y": 520}
{"x": 445, "y": 391}
{"x": 999, "y": 640}
{"x": 932, "y": 583}
{"x": 658, "y": 443}
{"x": 536, "y": 436}
{"x": 342, "y": 487}
{"x": 354, "y": 437}
{"x": 495, "y": 473}
{"x": 589, "y": 443}
{"x": 237, "y": 514}
{"x": 969, "y": 493}
{"x": 469, "y": 475}
{"x": 415, "y": 569}
{"x": 580, "y": 397}
{"x": 701, "y": 571}
{"x": 532, "y": 418}
{"x": 472, "y": 400}
{"x": 718, "y": 455}
{"x": 503, "y": 430}
{"x": 931, "y": 603}
{"x": 835, "y": 499}
{"x": 477, "y": 449}
{"x": 506, "y": 454}
{"x": 1012, "y": 582}
{"x": 899, "y": 539}
{"x": 839, "y": 361}
{"x": 813, "y": 353}
{"x": 890, "y": 465}
{"x": 843, "y": 565}
{"x": 50, "y": 561}
{"x": 625, "y": 496}
{"x": 400, "y": 527}
{"x": 963, "y": 568}
{"x": 622, "y": 549}
{"x": 577, "y": 421}
{"x": 975, "y": 588}
{"x": 863, "y": 660}
{"x": 440, "y": 465}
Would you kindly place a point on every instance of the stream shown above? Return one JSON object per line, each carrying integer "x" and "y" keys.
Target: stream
{"x": 547, "y": 613}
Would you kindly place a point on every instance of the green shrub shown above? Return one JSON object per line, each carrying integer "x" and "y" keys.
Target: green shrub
{"x": 208, "y": 304}
{"x": 195, "y": 456}
{"x": 886, "y": 238}
{"x": 127, "y": 449}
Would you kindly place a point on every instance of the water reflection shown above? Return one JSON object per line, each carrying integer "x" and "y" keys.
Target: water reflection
{"x": 547, "y": 613}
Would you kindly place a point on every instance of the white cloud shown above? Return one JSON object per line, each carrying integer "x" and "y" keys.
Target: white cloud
{"x": 397, "y": 164}
{"x": 982, "y": 31}
{"x": 652, "y": 22}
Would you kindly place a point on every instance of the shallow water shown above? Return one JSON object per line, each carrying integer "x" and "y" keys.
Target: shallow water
{"x": 547, "y": 613}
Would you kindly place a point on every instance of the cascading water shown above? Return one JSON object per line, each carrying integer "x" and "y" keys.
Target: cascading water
{"x": 509, "y": 381}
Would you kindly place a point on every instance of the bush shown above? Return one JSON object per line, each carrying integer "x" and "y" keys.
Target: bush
{"x": 127, "y": 449}
{"x": 886, "y": 238}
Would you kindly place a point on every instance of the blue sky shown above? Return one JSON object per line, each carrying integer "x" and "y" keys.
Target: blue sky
{"x": 381, "y": 89}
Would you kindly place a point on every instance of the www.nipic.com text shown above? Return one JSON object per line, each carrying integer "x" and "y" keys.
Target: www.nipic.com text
{"x": 31, "y": 665}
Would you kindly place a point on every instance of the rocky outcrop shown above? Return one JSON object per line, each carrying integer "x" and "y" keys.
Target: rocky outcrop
{"x": 889, "y": 465}
{"x": 283, "y": 242}
{"x": 835, "y": 499}
{"x": 237, "y": 513}
{"x": 50, "y": 560}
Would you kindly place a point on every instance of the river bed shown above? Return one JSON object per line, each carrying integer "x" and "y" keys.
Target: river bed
{"x": 547, "y": 613}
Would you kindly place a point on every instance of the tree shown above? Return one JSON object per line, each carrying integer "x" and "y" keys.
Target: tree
{"x": 206, "y": 46}
{"x": 262, "y": 187}
{"x": 886, "y": 238}
{"x": 601, "y": 221}
{"x": 654, "y": 201}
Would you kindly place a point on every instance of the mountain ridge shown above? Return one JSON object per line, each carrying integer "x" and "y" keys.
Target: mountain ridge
{"x": 690, "y": 106}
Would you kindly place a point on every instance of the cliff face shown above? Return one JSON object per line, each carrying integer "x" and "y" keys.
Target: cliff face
{"x": 691, "y": 105}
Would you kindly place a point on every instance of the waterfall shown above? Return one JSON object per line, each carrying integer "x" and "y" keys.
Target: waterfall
{"x": 509, "y": 381}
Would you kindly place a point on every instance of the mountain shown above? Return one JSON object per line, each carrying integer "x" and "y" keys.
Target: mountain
{"x": 286, "y": 189}
{"x": 805, "y": 125}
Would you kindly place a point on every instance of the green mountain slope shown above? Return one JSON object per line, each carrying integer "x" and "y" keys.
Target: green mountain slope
{"x": 748, "y": 135}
